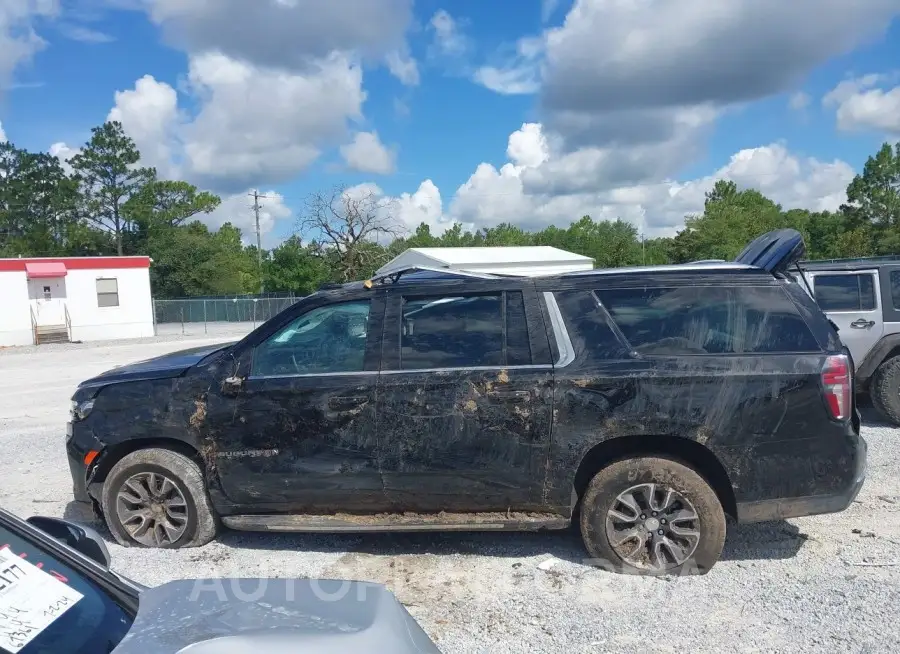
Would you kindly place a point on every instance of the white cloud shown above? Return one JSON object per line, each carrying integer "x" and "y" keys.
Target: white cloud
{"x": 64, "y": 153}
{"x": 610, "y": 54}
{"x": 409, "y": 210}
{"x": 266, "y": 90}
{"x": 516, "y": 74}
{"x": 403, "y": 67}
{"x": 368, "y": 154}
{"x": 799, "y": 101}
{"x": 149, "y": 115}
{"x": 253, "y": 125}
{"x": 547, "y": 9}
{"x": 237, "y": 209}
{"x": 864, "y": 103}
{"x": 282, "y": 33}
{"x": 19, "y": 41}
{"x": 3, "y": 138}
{"x": 261, "y": 124}
{"x": 448, "y": 38}
{"x": 84, "y": 34}
{"x": 658, "y": 207}
{"x": 641, "y": 82}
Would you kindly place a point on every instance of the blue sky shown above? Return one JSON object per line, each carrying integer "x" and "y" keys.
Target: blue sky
{"x": 527, "y": 111}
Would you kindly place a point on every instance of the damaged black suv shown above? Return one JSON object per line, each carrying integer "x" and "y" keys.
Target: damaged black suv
{"x": 642, "y": 404}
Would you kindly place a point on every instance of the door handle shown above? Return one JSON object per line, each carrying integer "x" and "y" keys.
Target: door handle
{"x": 511, "y": 395}
{"x": 348, "y": 402}
{"x": 862, "y": 324}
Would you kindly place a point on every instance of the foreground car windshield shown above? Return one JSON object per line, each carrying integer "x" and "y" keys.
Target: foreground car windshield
{"x": 46, "y": 607}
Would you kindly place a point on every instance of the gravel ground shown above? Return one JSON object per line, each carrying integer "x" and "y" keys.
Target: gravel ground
{"x": 823, "y": 583}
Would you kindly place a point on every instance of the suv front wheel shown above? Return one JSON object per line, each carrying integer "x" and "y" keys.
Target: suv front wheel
{"x": 652, "y": 516}
{"x": 157, "y": 498}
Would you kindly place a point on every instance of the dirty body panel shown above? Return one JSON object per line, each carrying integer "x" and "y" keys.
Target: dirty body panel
{"x": 760, "y": 416}
{"x": 301, "y": 435}
{"x": 465, "y": 399}
{"x": 490, "y": 396}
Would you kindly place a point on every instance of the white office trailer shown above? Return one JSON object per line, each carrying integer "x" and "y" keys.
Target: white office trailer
{"x": 530, "y": 260}
{"x": 53, "y": 300}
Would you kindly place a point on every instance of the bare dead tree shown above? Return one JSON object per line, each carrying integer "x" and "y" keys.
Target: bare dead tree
{"x": 351, "y": 226}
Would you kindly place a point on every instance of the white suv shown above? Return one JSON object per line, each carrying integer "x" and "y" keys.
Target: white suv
{"x": 862, "y": 298}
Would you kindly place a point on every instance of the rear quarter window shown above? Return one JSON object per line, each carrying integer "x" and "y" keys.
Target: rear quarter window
{"x": 717, "y": 320}
{"x": 589, "y": 326}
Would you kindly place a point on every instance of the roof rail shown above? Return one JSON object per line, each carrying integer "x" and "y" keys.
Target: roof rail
{"x": 395, "y": 275}
{"x": 883, "y": 258}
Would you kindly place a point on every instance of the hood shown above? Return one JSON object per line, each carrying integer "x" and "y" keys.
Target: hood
{"x": 275, "y": 616}
{"x": 162, "y": 367}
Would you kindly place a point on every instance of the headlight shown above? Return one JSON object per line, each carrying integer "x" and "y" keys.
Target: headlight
{"x": 80, "y": 410}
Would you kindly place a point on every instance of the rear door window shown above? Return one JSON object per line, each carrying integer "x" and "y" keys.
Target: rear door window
{"x": 845, "y": 292}
{"x": 464, "y": 331}
{"x": 708, "y": 320}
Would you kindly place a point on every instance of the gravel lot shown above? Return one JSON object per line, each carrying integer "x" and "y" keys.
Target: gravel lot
{"x": 827, "y": 583}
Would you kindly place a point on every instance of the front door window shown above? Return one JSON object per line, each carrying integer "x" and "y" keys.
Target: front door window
{"x": 329, "y": 339}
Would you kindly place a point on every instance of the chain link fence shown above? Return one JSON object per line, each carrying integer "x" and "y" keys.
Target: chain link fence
{"x": 213, "y": 315}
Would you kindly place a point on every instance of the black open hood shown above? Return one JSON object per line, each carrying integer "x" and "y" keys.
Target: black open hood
{"x": 774, "y": 251}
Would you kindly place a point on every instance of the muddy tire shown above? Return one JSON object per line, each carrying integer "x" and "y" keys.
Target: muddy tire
{"x": 885, "y": 389}
{"x": 652, "y": 516}
{"x": 158, "y": 498}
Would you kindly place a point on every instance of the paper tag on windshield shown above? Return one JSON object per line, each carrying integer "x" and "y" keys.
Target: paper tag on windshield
{"x": 30, "y": 600}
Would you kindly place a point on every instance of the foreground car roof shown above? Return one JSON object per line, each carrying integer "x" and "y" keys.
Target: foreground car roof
{"x": 275, "y": 616}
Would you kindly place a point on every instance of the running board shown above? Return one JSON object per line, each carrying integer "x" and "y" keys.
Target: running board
{"x": 382, "y": 522}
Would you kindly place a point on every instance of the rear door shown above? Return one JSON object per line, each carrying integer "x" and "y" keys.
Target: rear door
{"x": 465, "y": 399}
{"x": 851, "y": 300}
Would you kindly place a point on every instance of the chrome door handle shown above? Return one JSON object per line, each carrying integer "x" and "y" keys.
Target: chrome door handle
{"x": 862, "y": 324}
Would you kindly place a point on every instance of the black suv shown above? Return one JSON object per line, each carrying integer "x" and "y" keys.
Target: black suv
{"x": 644, "y": 404}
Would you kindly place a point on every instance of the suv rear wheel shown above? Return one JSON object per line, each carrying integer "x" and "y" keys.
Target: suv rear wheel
{"x": 652, "y": 516}
{"x": 157, "y": 498}
{"x": 885, "y": 389}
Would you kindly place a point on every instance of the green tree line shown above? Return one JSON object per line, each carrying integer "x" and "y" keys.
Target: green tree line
{"x": 104, "y": 202}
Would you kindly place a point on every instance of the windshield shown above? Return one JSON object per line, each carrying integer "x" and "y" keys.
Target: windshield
{"x": 46, "y": 607}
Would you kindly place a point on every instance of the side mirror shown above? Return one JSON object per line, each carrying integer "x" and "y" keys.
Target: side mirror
{"x": 80, "y": 538}
{"x": 231, "y": 385}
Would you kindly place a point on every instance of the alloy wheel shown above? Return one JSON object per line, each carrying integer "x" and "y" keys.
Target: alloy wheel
{"x": 653, "y": 527}
{"x": 152, "y": 509}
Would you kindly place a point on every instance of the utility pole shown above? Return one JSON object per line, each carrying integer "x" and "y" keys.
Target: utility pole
{"x": 256, "y": 198}
{"x": 643, "y": 251}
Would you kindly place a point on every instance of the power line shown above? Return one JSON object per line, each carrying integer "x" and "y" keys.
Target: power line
{"x": 256, "y": 198}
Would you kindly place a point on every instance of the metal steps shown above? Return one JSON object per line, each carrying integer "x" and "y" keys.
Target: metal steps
{"x": 394, "y": 522}
{"x": 45, "y": 334}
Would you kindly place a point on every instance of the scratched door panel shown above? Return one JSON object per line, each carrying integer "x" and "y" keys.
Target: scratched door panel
{"x": 465, "y": 440}
{"x": 302, "y": 443}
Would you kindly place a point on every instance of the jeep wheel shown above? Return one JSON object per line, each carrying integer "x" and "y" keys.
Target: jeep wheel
{"x": 885, "y": 389}
{"x": 157, "y": 498}
{"x": 652, "y": 516}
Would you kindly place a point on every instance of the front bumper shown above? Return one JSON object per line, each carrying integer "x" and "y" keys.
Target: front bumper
{"x": 797, "y": 507}
{"x": 77, "y": 468}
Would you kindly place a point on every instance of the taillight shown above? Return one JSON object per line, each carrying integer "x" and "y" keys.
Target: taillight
{"x": 837, "y": 385}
